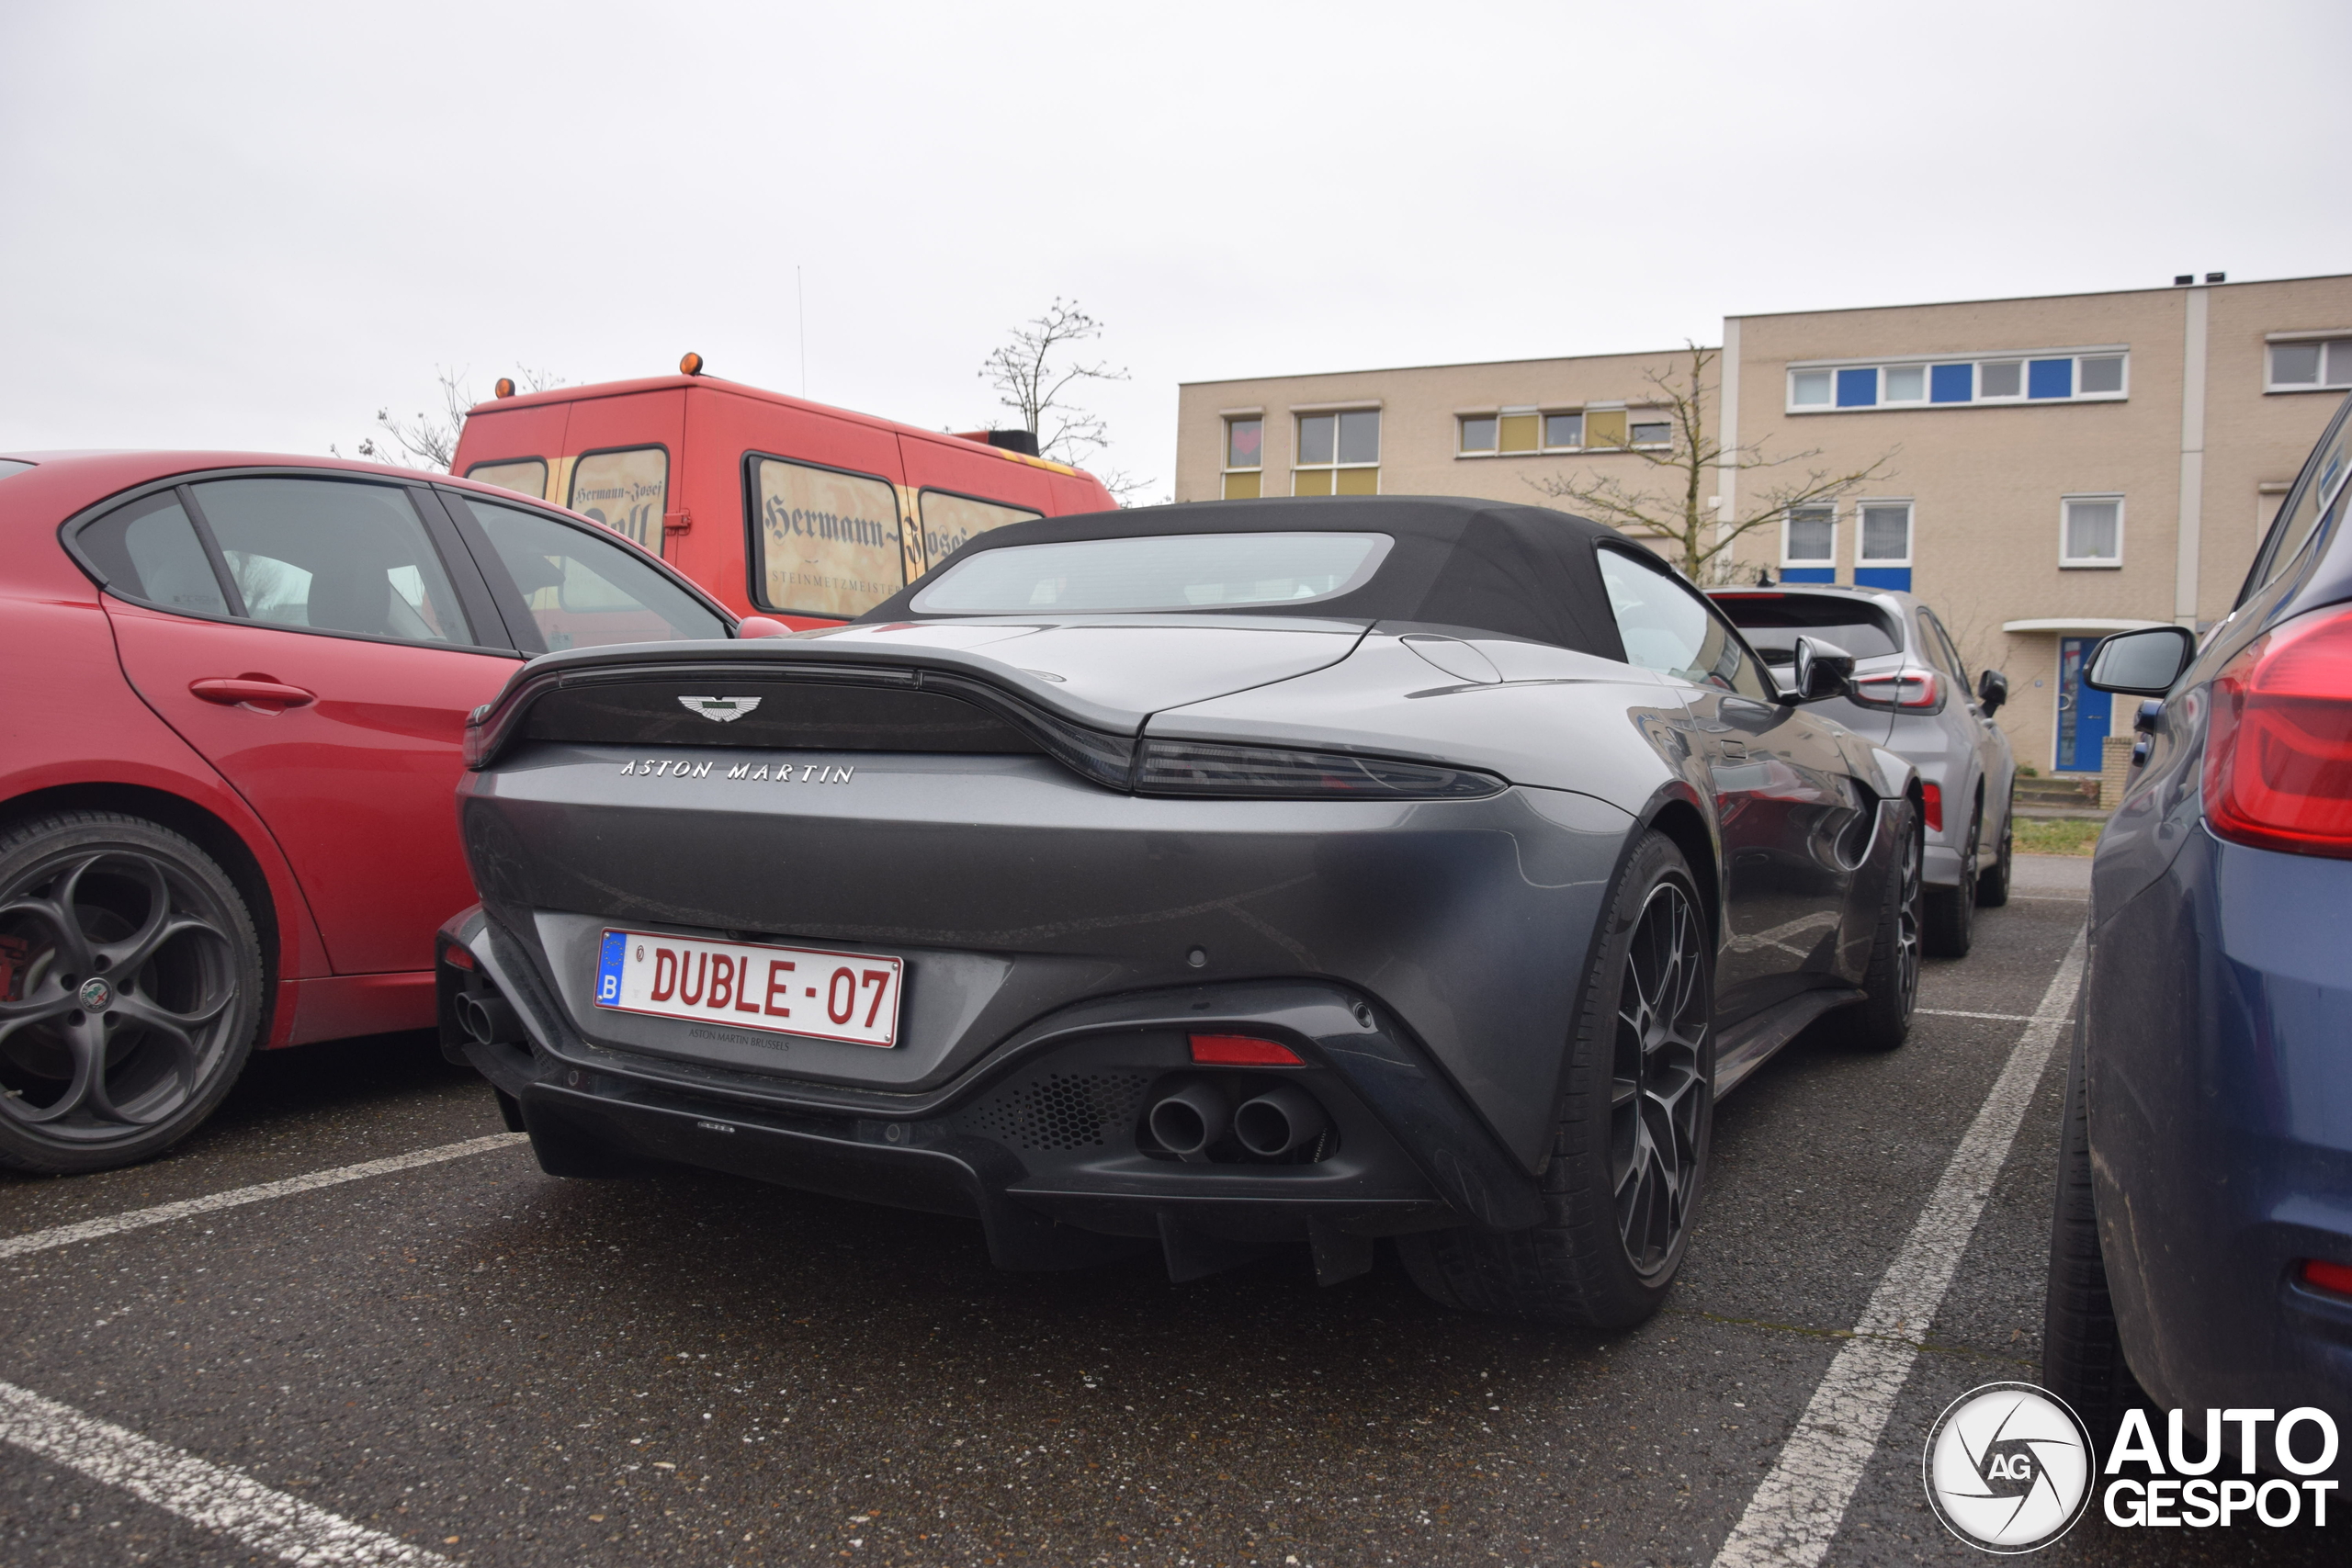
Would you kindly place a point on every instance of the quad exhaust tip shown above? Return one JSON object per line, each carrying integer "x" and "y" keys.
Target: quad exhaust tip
{"x": 1187, "y": 1121}
{"x": 1283, "y": 1119}
{"x": 488, "y": 1020}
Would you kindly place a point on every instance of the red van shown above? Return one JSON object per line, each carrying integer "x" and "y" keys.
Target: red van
{"x": 775, "y": 505}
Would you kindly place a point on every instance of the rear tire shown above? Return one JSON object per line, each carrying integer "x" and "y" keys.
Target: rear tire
{"x": 2082, "y": 1349}
{"x": 1629, "y": 1152}
{"x": 1992, "y": 887}
{"x": 1881, "y": 1020}
{"x": 1948, "y": 923}
{"x": 130, "y": 990}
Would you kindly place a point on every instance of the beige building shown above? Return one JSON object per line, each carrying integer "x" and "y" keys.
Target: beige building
{"x": 2048, "y": 469}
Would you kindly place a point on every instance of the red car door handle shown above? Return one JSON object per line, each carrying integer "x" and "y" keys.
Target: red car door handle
{"x": 251, "y": 689}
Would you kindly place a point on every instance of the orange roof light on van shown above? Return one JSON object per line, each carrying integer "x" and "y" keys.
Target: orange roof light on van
{"x": 690, "y": 365}
{"x": 505, "y": 387}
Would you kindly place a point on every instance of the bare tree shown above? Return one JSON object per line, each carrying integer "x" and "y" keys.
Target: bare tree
{"x": 1035, "y": 374}
{"x": 1680, "y": 512}
{"x": 430, "y": 441}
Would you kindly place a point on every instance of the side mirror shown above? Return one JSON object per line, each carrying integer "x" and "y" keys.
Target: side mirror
{"x": 1823, "y": 670}
{"x": 2142, "y": 663}
{"x": 760, "y": 626}
{"x": 1992, "y": 691}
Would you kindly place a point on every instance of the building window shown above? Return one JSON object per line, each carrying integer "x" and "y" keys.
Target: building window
{"x": 1885, "y": 534}
{"x": 1563, "y": 432}
{"x": 2311, "y": 366}
{"x": 1809, "y": 536}
{"x": 1245, "y": 453}
{"x": 2054, "y": 378}
{"x": 1339, "y": 454}
{"x": 1518, "y": 430}
{"x": 1652, "y": 433}
{"x": 1478, "y": 433}
{"x": 2091, "y": 531}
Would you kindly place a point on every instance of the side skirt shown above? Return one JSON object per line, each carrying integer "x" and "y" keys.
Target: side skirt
{"x": 1747, "y": 1045}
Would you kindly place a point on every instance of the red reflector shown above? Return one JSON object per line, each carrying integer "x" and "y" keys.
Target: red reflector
{"x": 456, "y": 957}
{"x": 2279, "y": 751}
{"x": 1934, "y": 798}
{"x": 1242, "y": 1051}
{"x": 2328, "y": 1276}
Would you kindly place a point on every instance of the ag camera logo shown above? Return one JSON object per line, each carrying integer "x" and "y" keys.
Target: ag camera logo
{"x": 2008, "y": 1468}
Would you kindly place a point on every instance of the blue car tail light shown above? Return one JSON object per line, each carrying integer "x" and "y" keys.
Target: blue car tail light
{"x": 2278, "y": 755}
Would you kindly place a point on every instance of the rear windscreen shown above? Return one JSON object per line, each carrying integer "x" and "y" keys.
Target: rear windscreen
{"x": 1773, "y": 621}
{"x": 1167, "y": 571}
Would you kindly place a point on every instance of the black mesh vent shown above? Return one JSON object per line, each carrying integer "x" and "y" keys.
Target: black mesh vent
{"x": 769, "y": 716}
{"x": 1062, "y": 1110}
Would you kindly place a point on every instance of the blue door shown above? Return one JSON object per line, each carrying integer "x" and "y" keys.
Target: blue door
{"x": 2082, "y": 713}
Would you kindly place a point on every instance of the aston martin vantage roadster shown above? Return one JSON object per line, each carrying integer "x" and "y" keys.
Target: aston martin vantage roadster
{"x": 1207, "y": 879}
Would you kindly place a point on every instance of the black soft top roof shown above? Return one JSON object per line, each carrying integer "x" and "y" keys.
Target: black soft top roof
{"x": 1523, "y": 572}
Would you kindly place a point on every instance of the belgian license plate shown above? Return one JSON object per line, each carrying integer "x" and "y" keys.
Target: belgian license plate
{"x": 850, "y": 996}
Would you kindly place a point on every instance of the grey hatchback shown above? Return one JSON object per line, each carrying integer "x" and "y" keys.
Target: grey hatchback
{"x": 1911, "y": 694}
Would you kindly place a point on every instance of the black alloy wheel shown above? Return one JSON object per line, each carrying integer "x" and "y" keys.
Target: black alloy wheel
{"x": 1992, "y": 887}
{"x": 129, "y": 989}
{"x": 1881, "y": 1020}
{"x": 1628, "y": 1163}
{"x": 1951, "y": 917}
{"x": 1659, "y": 1098}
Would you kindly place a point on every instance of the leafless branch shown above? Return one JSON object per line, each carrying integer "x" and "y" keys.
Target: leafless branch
{"x": 429, "y": 440}
{"x": 1680, "y": 514}
{"x": 1034, "y": 375}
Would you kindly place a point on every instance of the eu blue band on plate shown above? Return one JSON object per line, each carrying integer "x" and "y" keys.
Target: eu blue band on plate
{"x": 609, "y": 967}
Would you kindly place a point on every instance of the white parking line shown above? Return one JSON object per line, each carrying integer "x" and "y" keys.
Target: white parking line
{"x": 114, "y": 1224}
{"x": 2002, "y": 1017}
{"x": 203, "y": 1494}
{"x": 1796, "y": 1510}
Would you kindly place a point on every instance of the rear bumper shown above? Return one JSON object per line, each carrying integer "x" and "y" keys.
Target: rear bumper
{"x": 2218, "y": 1035}
{"x": 1041, "y": 1139}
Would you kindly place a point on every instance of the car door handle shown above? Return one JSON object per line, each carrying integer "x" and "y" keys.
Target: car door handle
{"x": 230, "y": 691}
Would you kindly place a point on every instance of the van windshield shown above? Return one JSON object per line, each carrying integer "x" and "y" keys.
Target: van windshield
{"x": 1166, "y": 571}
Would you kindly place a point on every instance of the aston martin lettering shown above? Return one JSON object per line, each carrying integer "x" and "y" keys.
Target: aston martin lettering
{"x": 746, "y": 772}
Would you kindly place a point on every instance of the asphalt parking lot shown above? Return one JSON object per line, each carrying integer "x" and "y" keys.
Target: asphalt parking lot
{"x": 464, "y": 1359}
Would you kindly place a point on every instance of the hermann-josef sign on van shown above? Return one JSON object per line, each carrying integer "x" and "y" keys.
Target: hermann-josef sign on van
{"x": 776, "y": 506}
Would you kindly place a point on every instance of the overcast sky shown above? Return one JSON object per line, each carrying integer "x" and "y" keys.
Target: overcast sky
{"x": 248, "y": 226}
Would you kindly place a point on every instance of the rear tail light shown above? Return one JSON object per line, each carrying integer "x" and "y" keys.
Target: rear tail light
{"x": 1190, "y": 767}
{"x": 1911, "y": 689}
{"x": 2279, "y": 751}
{"x": 1242, "y": 1051}
{"x": 2333, "y": 1277}
{"x": 1934, "y": 794}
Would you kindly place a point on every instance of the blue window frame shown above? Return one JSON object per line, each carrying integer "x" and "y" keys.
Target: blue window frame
{"x": 2051, "y": 377}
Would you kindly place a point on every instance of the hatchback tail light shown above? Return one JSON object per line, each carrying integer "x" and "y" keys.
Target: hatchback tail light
{"x": 2279, "y": 751}
{"x": 2327, "y": 1276}
{"x": 1911, "y": 689}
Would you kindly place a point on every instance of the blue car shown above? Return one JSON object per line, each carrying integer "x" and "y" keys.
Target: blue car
{"x": 2202, "y": 1252}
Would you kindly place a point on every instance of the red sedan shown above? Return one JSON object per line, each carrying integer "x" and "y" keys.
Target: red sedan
{"x": 238, "y": 688}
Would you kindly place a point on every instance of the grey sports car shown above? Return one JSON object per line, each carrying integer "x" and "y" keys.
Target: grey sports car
{"x": 1208, "y": 878}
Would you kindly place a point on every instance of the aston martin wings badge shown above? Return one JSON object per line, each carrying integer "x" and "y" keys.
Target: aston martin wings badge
{"x": 719, "y": 710}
